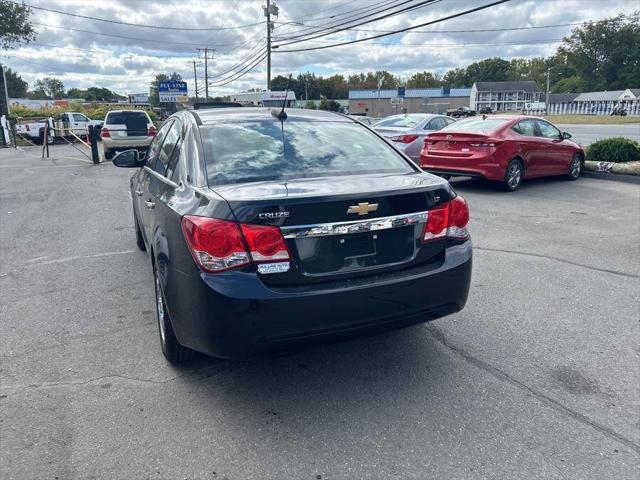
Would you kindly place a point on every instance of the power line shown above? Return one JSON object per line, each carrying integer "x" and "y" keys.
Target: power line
{"x": 474, "y": 30}
{"x": 369, "y": 20}
{"x": 137, "y": 38}
{"x": 243, "y": 74}
{"x": 406, "y": 29}
{"x": 159, "y": 27}
{"x": 453, "y": 45}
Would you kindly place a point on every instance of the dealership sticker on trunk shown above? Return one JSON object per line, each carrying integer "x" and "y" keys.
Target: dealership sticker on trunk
{"x": 279, "y": 267}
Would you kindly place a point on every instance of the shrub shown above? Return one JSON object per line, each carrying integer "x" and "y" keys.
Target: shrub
{"x": 615, "y": 150}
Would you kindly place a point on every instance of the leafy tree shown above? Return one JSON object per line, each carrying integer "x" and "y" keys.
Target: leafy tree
{"x": 488, "y": 70}
{"x": 16, "y": 86}
{"x": 330, "y": 105}
{"x": 51, "y": 87}
{"x": 15, "y": 26}
{"x": 311, "y": 105}
{"x": 424, "y": 80}
{"x": 456, "y": 78}
{"x": 605, "y": 55}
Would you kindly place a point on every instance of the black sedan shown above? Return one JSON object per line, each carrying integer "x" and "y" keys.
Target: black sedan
{"x": 268, "y": 230}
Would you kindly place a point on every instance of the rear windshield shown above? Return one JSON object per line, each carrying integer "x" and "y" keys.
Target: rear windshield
{"x": 404, "y": 121}
{"x": 269, "y": 150}
{"x": 118, "y": 118}
{"x": 476, "y": 125}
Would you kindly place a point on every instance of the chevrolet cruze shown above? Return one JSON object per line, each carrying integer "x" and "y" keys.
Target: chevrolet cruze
{"x": 270, "y": 229}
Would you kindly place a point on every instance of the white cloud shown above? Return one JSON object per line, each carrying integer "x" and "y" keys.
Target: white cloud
{"x": 127, "y": 65}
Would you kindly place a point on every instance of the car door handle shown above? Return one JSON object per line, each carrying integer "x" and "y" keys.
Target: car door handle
{"x": 139, "y": 193}
{"x": 150, "y": 205}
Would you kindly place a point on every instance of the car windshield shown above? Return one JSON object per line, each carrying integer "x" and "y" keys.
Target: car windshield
{"x": 405, "y": 121}
{"x": 269, "y": 149}
{"x": 118, "y": 118}
{"x": 476, "y": 125}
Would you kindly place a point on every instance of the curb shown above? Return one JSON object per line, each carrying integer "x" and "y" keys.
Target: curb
{"x": 620, "y": 177}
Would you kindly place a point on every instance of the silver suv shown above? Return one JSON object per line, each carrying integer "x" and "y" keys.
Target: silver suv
{"x": 126, "y": 129}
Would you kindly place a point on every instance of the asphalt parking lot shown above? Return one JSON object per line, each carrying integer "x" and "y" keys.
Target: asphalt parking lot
{"x": 587, "y": 134}
{"x": 536, "y": 378}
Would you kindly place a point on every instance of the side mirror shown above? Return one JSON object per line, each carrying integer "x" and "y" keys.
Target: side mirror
{"x": 565, "y": 135}
{"x": 128, "y": 159}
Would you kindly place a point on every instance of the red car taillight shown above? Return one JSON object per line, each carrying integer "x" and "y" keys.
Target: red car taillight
{"x": 152, "y": 131}
{"x": 104, "y": 133}
{"x": 218, "y": 245}
{"x": 449, "y": 220}
{"x": 404, "y": 138}
{"x": 490, "y": 142}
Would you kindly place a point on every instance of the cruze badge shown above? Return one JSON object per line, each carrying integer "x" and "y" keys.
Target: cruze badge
{"x": 363, "y": 208}
{"x": 273, "y": 215}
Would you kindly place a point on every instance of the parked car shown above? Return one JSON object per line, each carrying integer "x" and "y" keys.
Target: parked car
{"x": 364, "y": 119}
{"x": 408, "y": 131}
{"x": 126, "y": 129}
{"x": 267, "y": 230}
{"x": 485, "y": 111}
{"x": 461, "y": 112}
{"x": 506, "y": 149}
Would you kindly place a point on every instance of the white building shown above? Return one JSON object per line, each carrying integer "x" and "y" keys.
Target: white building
{"x": 263, "y": 99}
{"x": 504, "y": 96}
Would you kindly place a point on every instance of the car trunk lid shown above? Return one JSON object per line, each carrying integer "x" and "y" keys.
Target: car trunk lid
{"x": 346, "y": 227}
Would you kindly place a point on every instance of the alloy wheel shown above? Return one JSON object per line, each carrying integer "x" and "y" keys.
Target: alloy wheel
{"x": 514, "y": 174}
{"x": 576, "y": 166}
{"x": 160, "y": 308}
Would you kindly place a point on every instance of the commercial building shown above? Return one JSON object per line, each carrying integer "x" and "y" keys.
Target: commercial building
{"x": 263, "y": 99}
{"x": 603, "y": 103}
{"x": 382, "y": 103}
{"x": 504, "y": 96}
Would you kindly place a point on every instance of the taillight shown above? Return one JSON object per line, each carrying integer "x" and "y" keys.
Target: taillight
{"x": 404, "y": 138}
{"x": 104, "y": 133}
{"x": 490, "y": 142}
{"x": 266, "y": 243}
{"x": 152, "y": 131}
{"x": 218, "y": 245}
{"x": 449, "y": 220}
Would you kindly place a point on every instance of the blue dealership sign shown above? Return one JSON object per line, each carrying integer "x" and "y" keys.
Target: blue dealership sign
{"x": 173, "y": 91}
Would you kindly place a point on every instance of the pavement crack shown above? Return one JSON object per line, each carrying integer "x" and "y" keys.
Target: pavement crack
{"x": 439, "y": 336}
{"x": 90, "y": 380}
{"x": 558, "y": 259}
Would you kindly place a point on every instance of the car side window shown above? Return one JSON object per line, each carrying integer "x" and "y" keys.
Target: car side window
{"x": 435, "y": 124}
{"x": 173, "y": 161}
{"x": 169, "y": 144}
{"x": 525, "y": 127}
{"x": 156, "y": 143}
{"x": 77, "y": 117}
{"x": 547, "y": 130}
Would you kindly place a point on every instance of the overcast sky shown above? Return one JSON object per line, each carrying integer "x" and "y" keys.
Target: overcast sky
{"x": 236, "y": 30}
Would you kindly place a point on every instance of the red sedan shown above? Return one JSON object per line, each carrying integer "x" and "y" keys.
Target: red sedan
{"x": 506, "y": 149}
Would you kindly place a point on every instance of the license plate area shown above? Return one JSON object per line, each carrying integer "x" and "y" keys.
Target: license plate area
{"x": 346, "y": 253}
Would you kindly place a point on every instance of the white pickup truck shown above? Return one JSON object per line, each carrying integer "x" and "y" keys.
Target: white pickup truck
{"x": 75, "y": 122}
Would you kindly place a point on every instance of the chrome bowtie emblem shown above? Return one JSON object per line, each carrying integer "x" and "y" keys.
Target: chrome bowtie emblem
{"x": 363, "y": 208}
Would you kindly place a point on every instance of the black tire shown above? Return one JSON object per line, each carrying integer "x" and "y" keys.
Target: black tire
{"x": 139, "y": 238}
{"x": 171, "y": 348}
{"x": 575, "y": 168}
{"x": 513, "y": 175}
{"x": 108, "y": 154}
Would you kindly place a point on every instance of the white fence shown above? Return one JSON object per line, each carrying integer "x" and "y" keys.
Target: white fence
{"x": 587, "y": 108}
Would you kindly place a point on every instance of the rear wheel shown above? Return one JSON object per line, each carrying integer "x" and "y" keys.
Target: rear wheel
{"x": 513, "y": 175}
{"x": 171, "y": 348}
{"x": 575, "y": 168}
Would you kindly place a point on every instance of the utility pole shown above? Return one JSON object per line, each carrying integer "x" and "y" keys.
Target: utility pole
{"x": 546, "y": 100}
{"x": 206, "y": 70}
{"x": 270, "y": 9}
{"x": 195, "y": 78}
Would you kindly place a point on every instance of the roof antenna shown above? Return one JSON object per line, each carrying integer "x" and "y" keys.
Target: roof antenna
{"x": 282, "y": 115}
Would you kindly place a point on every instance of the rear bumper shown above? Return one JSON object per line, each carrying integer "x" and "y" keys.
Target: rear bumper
{"x": 114, "y": 143}
{"x": 488, "y": 167}
{"x": 234, "y": 314}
